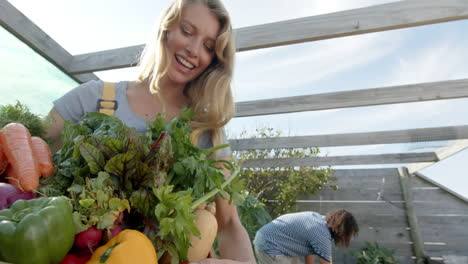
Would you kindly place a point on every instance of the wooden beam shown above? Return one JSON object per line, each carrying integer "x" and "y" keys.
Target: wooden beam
{"x": 366, "y": 97}
{"x": 402, "y": 14}
{"x": 412, "y": 220}
{"x": 340, "y": 160}
{"x": 26, "y": 31}
{"x": 378, "y": 173}
{"x": 442, "y": 153}
{"x": 390, "y": 16}
{"x": 354, "y": 139}
{"x": 106, "y": 60}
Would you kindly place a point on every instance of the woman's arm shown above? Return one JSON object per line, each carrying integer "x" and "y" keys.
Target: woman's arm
{"x": 233, "y": 240}
{"x": 310, "y": 259}
{"x": 54, "y": 124}
{"x": 323, "y": 261}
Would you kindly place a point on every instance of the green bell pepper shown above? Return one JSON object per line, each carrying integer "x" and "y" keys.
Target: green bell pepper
{"x": 36, "y": 231}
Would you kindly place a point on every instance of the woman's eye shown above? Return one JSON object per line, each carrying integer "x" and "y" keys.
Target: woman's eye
{"x": 186, "y": 31}
{"x": 209, "y": 48}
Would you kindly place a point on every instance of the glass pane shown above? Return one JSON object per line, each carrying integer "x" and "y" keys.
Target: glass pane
{"x": 29, "y": 78}
{"x": 451, "y": 172}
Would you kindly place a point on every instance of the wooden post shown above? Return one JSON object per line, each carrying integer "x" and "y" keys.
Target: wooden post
{"x": 411, "y": 215}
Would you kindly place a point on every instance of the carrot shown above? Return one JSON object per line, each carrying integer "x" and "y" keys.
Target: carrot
{"x": 17, "y": 147}
{"x": 3, "y": 159}
{"x": 11, "y": 176}
{"x": 43, "y": 156}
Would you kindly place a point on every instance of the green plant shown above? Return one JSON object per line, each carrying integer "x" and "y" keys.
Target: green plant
{"x": 282, "y": 185}
{"x": 373, "y": 253}
{"x": 253, "y": 215}
{"x": 20, "y": 113}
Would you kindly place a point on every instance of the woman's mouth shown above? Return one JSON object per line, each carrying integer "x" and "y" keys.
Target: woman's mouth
{"x": 185, "y": 63}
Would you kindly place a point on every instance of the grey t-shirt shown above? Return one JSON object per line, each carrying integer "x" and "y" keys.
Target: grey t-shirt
{"x": 84, "y": 98}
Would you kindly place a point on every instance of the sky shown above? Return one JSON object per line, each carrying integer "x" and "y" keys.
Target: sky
{"x": 416, "y": 55}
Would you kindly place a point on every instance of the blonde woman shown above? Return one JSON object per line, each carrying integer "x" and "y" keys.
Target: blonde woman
{"x": 190, "y": 63}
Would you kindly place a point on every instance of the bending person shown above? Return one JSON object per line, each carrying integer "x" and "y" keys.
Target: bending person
{"x": 291, "y": 238}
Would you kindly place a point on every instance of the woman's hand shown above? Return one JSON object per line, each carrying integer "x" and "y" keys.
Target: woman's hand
{"x": 233, "y": 240}
{"x": 54, "y": 123}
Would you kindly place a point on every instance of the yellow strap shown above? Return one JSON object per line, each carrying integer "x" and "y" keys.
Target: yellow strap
{"x": 107, "y": 104}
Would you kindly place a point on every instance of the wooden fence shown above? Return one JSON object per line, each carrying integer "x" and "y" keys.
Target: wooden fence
{"x": 397, "y": 207}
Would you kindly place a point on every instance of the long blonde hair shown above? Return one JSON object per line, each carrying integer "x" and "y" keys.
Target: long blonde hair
{"x": 209, "y": 95}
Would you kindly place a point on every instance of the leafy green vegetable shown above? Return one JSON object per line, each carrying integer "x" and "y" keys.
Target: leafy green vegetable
{"x": 193, "y": 168}
{"x": 176, "y": 220}
{"x": 95, "y": 203}
{"x": 106, "y": 167}
{"x": 20, "y": 113}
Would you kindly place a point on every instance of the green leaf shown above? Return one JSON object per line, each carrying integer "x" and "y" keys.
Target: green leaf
{"x": 20, "y": 113}
{"x": 111, "y": 147}
{"x": 124, "y": 204}
{"x": 79, "y": 226}
{"x": 100, "y": 181}
{"x": 143, "y": 202}
{"x": 86, "y": 203}
{"x": 107, "y": 220}
{"x": 76, "y": 188}
{"x": 143, "y": 175}
{"x": 102, "y": 197}
{"x": 122, "y": 164}
{"x": 116, "y": 204}
{"x": 93, "y": 157}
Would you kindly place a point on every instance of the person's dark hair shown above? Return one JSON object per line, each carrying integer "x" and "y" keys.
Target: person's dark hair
{"x": 343, "y": 226}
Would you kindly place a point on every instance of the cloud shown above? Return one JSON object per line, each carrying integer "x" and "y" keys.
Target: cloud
{"x": 269, "y": 74}
{"x": 443, "y": 60}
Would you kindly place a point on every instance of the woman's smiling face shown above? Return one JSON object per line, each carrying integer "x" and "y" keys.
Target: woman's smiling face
{"x": 191, "y": 43}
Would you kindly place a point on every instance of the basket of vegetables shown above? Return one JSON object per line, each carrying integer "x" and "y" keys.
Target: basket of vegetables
{"x": 123, "y": 197}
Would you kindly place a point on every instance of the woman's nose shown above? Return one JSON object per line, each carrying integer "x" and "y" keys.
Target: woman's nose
{"x": 193, "y": 47}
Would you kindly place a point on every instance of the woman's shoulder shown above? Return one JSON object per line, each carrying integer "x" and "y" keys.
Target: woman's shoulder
{"x": 80, "y": 100}
{"x": 87, "y": 90}
{"x": 206, "y": 138}
{"x": 91, "y": 88}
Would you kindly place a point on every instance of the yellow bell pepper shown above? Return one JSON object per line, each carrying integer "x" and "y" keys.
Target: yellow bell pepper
{"x": 129, "y": 246}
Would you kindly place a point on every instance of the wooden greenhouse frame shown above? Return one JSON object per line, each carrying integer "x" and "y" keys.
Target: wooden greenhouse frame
{"x": 412, "y": 214}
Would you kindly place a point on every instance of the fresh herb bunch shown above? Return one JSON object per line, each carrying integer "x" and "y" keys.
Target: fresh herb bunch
{"x": 20, "y": 113}
{"x": 193, "y": 168}
{"x": 160, "y": 172}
